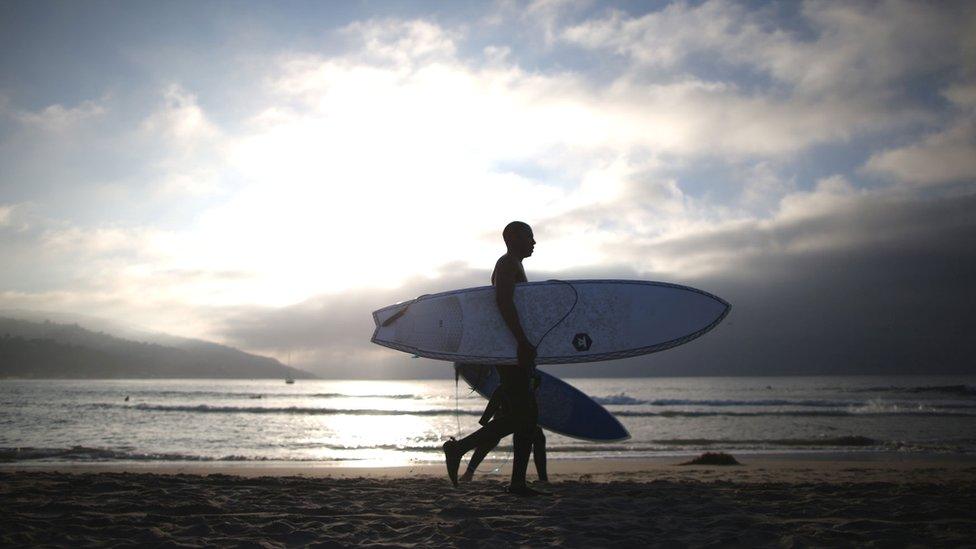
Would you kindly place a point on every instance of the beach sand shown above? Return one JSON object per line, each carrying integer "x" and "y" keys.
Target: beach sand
{"x": 781, "y": 501}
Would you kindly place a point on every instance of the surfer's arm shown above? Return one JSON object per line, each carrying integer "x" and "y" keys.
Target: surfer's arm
{"x": 505, "y": 298}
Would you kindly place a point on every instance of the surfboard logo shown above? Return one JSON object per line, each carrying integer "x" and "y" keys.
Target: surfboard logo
{"x": 582, "y": 342}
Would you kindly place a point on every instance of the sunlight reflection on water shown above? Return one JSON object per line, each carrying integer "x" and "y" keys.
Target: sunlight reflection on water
{"x": 388, "y": 423}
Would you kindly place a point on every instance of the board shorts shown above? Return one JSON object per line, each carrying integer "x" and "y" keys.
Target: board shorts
{"x": 523, "y": 410}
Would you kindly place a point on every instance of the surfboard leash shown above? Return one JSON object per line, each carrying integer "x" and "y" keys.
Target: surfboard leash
{"x": 504, "y": 463}
{"x": 565, "y": 316}
{"x": 457, "y": 372}
{"x": 457, "y": 411}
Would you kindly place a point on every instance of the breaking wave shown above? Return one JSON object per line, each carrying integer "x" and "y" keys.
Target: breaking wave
{"x": 958, "y": 390}
{"x": 293, "y": 410}
{"x": 84, "y": 453}
{"x": 650, "y": 447}
{"x": 253, "y": 394}
{"x": 623, "y": 399}
{"x": 793, "y": 413}
{"x": 867, "y": 409}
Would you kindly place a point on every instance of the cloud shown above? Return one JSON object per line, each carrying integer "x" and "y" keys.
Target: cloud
{"x": 402, "y": 43}
{"x": 944, "y": 156}
{"x": 763, "y": 186}
{"x": 330, "y": 333}
{"x": 548, "y": 15}
{"x": 849, "y": 47}
{"x": 886, "y": 290}
{"x": 835, "y": 291}
{"x": 832, "y": 219}
{"x": 6, "y": 214}
{"x": 654, "y": 227}
{"x": 453, "y": 132}
{"x": 941, "y": 157}
{"x": 701, "y": 141}
{"x": 962, "y": 94}
{"x": 665, "y": 38}
{"x": 186, "y": 148}
{"x": 57, "y": 118}
{"x": 790, "y": 88}
{"x": 195, "y": 181}
{"x": 180, "y": 120}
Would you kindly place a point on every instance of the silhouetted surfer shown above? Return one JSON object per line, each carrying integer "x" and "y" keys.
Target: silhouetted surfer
{"x": 515, "y": 379}
{"x": 497, "y": 407}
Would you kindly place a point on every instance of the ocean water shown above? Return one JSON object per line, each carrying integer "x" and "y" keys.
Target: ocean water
{"x": 401, "y": 422}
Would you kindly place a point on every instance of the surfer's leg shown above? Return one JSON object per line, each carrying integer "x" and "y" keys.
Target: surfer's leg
{"x": 454, "y": 450}
{"x": 539, "y": 454}
{"x": 479, "y": 454}
{"x": 490, "y": 434}
{"x": 523, "y": 412}
{"x": 523, "y": 447}
{"x": 500, "y": 426}
{"x": 514, "y": 381}
{"x": 452, "y": 458}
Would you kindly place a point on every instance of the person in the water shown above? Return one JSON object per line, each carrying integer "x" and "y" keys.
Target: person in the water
{"x": 523, "y": 411}
{"x": 496, "y": 407}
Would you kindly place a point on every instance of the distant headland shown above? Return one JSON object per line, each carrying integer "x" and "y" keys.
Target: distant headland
{"x": 52, "y": 350}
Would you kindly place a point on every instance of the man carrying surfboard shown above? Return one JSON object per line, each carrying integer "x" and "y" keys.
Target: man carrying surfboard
{"x": 515, "y": 378}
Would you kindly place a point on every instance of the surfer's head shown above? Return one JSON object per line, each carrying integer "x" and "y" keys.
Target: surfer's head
{"x": 519, "y": 238}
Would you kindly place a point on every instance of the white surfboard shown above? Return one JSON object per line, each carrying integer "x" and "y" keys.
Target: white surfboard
{"x": 569, "y": 321}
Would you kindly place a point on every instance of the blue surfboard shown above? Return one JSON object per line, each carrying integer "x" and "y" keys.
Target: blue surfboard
{"x": 563, "y": 409}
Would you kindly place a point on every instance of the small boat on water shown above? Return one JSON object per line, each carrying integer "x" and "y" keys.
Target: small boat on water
{"x": 289, "y": 380}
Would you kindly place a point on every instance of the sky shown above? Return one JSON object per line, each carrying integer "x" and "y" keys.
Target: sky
{"x": 266, "y": 174}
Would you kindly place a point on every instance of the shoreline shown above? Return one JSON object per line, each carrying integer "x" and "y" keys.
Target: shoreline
{"x": 766, "y": 467}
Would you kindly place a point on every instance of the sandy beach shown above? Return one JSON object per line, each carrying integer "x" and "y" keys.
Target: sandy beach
{"x": 768, "y": 501}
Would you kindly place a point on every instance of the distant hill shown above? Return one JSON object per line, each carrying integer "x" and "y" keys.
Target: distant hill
{"x": 47, "y": 349}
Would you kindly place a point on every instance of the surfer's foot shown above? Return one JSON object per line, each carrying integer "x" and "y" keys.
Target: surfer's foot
{"x": 525, "y": 491}
{"x": 453, "y": 459}
{"x": 468, "y": 476}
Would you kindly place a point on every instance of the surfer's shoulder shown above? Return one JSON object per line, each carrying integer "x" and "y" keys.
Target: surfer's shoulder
{"x": 506, "y": 262}
{"x": 510, "y": 267}
{"x": 506, "y": 268}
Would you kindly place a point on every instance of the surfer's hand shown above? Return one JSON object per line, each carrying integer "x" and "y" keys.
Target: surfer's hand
{"x": 526, "y": 354}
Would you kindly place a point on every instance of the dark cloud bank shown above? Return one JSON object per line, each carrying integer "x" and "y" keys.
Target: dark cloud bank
{"x": 887, "y": 288}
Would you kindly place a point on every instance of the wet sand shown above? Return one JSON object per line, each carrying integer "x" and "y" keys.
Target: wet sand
{"x": 778, "y": 501}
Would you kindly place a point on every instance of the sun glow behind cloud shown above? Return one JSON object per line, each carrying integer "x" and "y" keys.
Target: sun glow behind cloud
{"x": 362, "y": 174}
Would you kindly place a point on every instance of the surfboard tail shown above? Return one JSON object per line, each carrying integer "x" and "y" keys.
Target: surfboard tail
{"x": 388, "y": 315}
{"x": 384, "y": 321}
